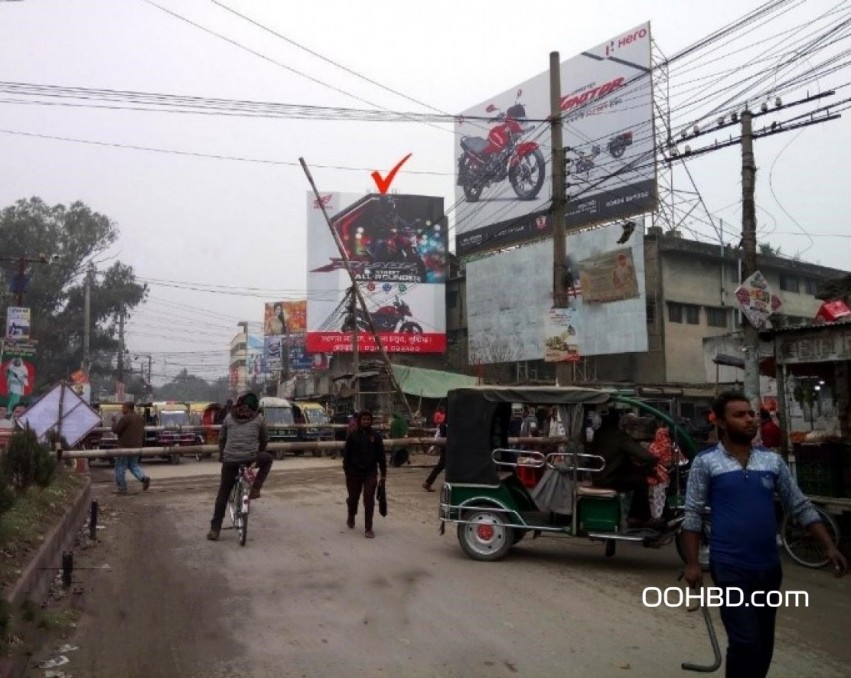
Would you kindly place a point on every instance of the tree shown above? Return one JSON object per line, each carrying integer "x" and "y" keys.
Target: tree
{"x": 72, "y": 238}
{"x": 187, "y": 387}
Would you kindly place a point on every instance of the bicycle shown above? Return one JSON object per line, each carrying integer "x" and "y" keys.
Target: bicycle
{"x": 239, "y": 501}
{"x": 801, "y": 546}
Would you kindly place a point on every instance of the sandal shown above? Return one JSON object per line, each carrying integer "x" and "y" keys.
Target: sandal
{"x": 427, "y": 487}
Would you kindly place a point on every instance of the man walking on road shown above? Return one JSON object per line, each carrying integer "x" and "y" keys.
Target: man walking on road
{"x": 130, "y": 430}
{"x": 739, "y": 482}
{"x": 363, "y": 459}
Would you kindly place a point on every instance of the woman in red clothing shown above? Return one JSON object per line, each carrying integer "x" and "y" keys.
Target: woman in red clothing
{"x": 769, "y": 431}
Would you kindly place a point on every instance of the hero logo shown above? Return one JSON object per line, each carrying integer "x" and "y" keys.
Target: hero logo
{"x": 573, "y": 100}
{"x": 625, "y": 40}
{"x": 323, "y": 201}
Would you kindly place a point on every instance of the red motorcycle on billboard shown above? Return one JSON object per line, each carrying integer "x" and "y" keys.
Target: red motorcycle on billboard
{"x": 503, "y": 155}
{"x": 390, "y": 318}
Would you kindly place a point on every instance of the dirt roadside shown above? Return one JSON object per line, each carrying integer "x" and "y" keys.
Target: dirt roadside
{"x": 307, "y": 597}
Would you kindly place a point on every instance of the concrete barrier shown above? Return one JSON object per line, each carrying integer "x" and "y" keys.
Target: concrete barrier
{"x": 36, "y": 577}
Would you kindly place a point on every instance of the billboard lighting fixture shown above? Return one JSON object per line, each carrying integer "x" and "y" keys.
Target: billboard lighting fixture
{"x": 696, "y": 130}
{"x": 764, "y": 107}
{"x": 734, "y": 116}
{"x": 720, "y": 121}
{"x": 778, "y": 103}
{"x": 684, "y": 133}
{"x": 688, "y": 149}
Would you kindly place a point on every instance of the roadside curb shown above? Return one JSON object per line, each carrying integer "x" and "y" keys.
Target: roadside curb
{"x": 40, "y": 571}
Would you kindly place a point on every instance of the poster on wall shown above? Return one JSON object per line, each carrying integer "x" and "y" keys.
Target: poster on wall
{"x": 397, "y": 248}
{"x": 561, "y": 335}
{"x": 503, "y": 175}
{"x": 608, "y": 276}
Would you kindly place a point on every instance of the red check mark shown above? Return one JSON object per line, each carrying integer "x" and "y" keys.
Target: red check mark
{"x": 384, "y": 184}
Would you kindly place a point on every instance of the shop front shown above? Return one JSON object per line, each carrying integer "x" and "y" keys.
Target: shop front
{"x": 813, "y": 364}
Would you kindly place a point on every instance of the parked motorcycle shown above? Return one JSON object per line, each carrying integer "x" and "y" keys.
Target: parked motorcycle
{"x": 390, "y": 318}
{"x": 502, "y": 156}
{"x": 618, "y": 144}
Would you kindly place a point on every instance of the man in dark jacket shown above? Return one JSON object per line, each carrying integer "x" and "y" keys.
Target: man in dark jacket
{"x": 242, "y": 441}
{"x": 363, "y": 459}
{"x": 627, "y": 465}
{"x": 130, "y": 430}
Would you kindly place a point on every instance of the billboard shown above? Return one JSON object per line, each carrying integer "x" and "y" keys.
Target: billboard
{"x": 17, "y": 375}
{"x": 397, "y": 248}
{"x": 283, "y": 346}
{"x": 18, "y": 323}
{"x": 509, "y": 300}
{"x": 503, "y": 148}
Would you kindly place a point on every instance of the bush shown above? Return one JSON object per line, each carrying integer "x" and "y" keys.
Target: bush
{"x": 7, "y": 496}
{"x": 27, "y": 461}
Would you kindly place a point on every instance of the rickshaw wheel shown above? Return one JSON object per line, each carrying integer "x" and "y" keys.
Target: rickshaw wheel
{"x": 484, "y": 536}
{"x": 803, "y": 548}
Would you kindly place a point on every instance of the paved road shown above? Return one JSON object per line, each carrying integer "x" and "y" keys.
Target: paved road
{"x": 308, "y": 597}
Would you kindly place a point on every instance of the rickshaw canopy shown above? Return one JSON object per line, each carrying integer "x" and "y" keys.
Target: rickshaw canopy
{"x": 478, "y": 419}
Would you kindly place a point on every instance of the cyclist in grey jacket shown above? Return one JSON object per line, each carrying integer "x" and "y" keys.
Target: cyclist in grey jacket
{"x": 242, "y": 441}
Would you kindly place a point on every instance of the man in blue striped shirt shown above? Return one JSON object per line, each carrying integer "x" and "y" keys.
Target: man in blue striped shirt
{"x": 739, "y": 482}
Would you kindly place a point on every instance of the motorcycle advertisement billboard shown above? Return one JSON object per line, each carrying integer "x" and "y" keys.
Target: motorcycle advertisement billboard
{"x": 503, "y": 148}
{"x": 510, "y": 300}
{"x": 398, "y": 250}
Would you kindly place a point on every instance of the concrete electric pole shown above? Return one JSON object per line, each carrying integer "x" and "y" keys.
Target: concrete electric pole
{"x": 87, "y": 321}
{"x": 559, "y": 202}
{"x": 751, "y": 338}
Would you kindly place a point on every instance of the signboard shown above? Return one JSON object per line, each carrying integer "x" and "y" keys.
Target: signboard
{"x": 832, "y": 344}
{"x": 284, "y": 317}
{"x": 17, "y": 323}
{"x": 17, "y": 374}
{"x": 561, "y": 335}
{"x": 397, "y": 248}
{"x": 757, "y": 300}
{"x": 503, "y": 183}
{"x": 509, "y": 296}
{"x": 64, "y": 411}
{"x": 608, "y": 276}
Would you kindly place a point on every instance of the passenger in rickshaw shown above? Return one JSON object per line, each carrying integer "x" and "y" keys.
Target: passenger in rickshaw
{"x": 626, "y": 469}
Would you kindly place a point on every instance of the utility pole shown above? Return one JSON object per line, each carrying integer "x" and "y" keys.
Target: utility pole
{"x": 353, "y": 307}
{"x": 751, "y": 335}
{"x": 87, "y": 320}
{"x": 121, "y": 346}
{"x": 559, "y": 206}
{"x": 559, "y": 184}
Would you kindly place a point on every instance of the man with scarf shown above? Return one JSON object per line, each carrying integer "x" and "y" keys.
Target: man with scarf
{"x": 363, "y": 459}
{"x": 242, "y": 441}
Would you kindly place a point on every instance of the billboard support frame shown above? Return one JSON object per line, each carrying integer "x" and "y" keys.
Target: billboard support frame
{"x": 356, "y": 291}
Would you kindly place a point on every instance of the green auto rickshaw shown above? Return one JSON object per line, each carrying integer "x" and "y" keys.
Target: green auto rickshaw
{"x": 500, "y": 489}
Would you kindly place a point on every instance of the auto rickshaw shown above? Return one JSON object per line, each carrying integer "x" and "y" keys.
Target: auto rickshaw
{"x": 488, "y": 493}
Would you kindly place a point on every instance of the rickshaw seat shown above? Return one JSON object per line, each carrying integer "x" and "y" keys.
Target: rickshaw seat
{"x": 602, "y": 492}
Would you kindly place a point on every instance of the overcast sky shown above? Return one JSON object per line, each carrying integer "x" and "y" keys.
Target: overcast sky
{"x": 189, "y": 221}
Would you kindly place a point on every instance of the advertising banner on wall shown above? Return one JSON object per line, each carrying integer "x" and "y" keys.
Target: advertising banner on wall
{"x": 509, "y": 300}
{"x": 397, "y": 247}
{"x": 561, "y": 335}
{"x": 18, "y": 323}
{"x": 502, "y": 148}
